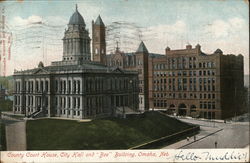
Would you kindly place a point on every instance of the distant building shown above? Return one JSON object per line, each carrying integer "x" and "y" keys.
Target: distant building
{"x": 2, "y": 92}
{"x": 75, "y": 87}
{"x": 137, "y": 61}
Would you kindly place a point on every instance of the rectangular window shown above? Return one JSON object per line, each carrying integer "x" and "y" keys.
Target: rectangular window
{"x": 200, "y": 73}
{"x": 201, "y": 104}
{"x": 209, "y": 105}
{"x": 69, "y": 102}
{"x": 213, "y": 105}
{"x": 205, "y": 105}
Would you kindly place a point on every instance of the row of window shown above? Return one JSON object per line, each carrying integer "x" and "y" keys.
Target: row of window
{"x": 63, "y": 86}
{"x": 65, "y": 102}
{"x": 127, "y": 62}
{"x": 160, "y": 103}
{"x": 30, "y": 86}
{"x": 69, "y": 46}
{"x": 207, "y": 114}
{"x": 203, "y": 104}
{"x": 185, "y": 95}
{"x": 184, "y": 73}
{"x": 68, "y": 112}
{"x": 183, "y": 87}
{"x": 184, "y": 80}
{"x": 181, "y": 63}
{"x": 207, "y": 105}
{"x": 18, "y": 109}
{"x": 30, "y": 101}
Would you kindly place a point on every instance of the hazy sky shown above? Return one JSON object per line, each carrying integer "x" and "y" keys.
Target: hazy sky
{"x": 213, "y": 24}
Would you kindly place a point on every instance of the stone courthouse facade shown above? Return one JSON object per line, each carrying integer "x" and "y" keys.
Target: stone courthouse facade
{"x": 76, "y": 87}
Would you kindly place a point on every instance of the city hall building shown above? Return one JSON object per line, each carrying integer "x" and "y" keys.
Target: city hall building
{"x": 76, "y": 87}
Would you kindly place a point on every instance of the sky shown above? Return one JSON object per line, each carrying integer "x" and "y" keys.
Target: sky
{"x": 38, "y": 26}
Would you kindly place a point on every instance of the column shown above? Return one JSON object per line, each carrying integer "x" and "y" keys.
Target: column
{"x": 50, "y": 113}
{"x": 64, "y": 47}
{"x": 73, "y": 46}
{"x": 77, "y": 46}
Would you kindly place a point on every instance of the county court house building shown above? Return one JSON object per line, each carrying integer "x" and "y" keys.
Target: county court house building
{"x": 75, "y": 87}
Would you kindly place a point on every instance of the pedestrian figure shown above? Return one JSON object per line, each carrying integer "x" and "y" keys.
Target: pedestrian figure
{"x": 215, "y": 144}
{"x": 187, "y": 138}
{"x": 194, "y": 137}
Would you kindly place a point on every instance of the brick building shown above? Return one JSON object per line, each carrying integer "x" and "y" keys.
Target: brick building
{"x": 186, "y": 81}
{"x": 190, "y": 82}
{"x": 137, "y": 61}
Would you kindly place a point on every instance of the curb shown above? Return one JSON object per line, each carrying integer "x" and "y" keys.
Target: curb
{"x": 201, "y": 138}
{"x": 165, "y": 137}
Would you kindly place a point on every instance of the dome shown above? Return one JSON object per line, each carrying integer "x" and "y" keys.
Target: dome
{"x": 218, "y": 51}
{"x": 76, "y": 18}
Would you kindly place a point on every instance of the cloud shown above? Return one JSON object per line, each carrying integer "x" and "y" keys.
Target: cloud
{"x": 226, "y": 28}
{"x": 156, "y": 38}
{"x": 34, "y": 19}
{"x": 231, "y": 35}
{"x": 56, "y": 20}
{"x": 162, "y": 36}
{"x": 178, "y": 27}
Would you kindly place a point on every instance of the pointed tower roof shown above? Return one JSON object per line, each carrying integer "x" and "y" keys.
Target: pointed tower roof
{"x": 142, "y": 48}
{"x": 99, "y": 21}
{"x": 76, "y": 18}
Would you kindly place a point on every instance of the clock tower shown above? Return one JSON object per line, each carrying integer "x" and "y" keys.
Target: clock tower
{"x": 98, "y": 41}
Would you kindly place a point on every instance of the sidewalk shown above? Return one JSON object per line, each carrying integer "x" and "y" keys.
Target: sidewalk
{"x": 16, "y": 136}
{"x": 62, "y": 118}
{"x": 204, "y": 132}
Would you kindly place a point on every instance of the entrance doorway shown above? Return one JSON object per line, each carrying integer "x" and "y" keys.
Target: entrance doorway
{"x": 182, "y": 110}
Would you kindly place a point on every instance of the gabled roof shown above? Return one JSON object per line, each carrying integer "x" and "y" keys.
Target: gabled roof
{"x": 142, "y": 48}
{"x": 99, "y": 21}
{"x": 84, "y": 67}
{"x": 76, "y": 18}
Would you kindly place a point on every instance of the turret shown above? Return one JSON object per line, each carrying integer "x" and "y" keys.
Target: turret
{"x": 98, "y": 41}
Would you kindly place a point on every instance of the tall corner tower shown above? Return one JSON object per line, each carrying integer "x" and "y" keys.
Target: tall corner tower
{"x": 76, "y": 41}
{"x": 98, "y": 41}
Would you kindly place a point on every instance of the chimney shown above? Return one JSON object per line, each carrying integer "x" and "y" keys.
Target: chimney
{"x": 198, "y": 48}
{"x": 189, "y": 47}
{"x": 167, "y": 50}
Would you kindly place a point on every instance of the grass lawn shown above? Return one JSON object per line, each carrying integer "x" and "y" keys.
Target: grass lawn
{"x": 107, "y": 133}
{"x": 6, "y": 105}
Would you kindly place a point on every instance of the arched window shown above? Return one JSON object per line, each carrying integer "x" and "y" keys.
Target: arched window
{"x": 96, "y": 51}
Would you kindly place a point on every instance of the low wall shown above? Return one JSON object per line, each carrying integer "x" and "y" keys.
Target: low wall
{"x": 168, "y": 139}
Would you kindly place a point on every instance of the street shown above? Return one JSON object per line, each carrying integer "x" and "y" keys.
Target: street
{"x": 15, "y": 133}
{"x": 216, "y": 134}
